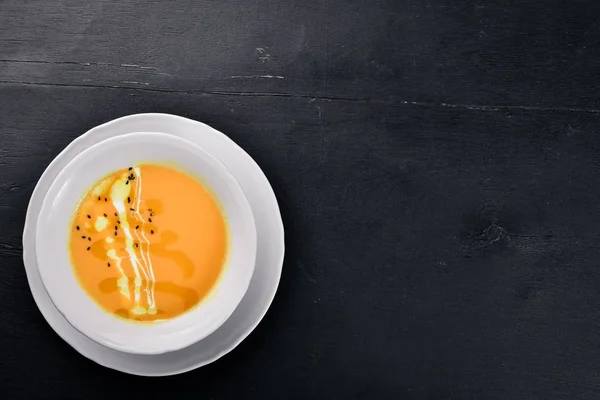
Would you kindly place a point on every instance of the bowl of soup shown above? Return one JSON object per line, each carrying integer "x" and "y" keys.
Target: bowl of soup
{"x": 146, "y": 243}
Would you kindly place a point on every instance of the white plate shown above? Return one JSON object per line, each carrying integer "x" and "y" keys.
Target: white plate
{"x": 269, "y": 258}
{"x": 54, "y": 231}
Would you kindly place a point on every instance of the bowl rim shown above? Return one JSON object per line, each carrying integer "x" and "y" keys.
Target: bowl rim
{"x": 175, "y": 339}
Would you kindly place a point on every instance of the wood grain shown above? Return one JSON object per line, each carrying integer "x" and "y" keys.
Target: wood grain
{"x": 436, "y": 164}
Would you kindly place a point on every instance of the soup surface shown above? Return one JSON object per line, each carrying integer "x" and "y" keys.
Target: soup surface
{"x": 148, "y": 242}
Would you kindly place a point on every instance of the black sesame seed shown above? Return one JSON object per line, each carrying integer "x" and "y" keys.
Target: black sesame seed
{"x": 115, "y": 233}
{"x": 137, "y": 226}
{"x": 132, "y": 209}
{"x": 88, "y": 249}
{"x": 152, "y": 231}
{"x": 152, "y": 214}
{"x": 136, "y": 245}
{"x": 89, "y": 239}
{"x": 98, "y": 197}
{"x": 105, "y": 199}
{"x": 83, "y": 237}
{"x": 89, "y": 217}
{"x": 149, "y": 219}
{"x": 130, "y": 168}
{"x": 109, "y": 264}
{"x": 116, "y": 227}
{"x": 77, "y": 227}
{"x": 127, "y": 182}
{"x": 129, "y": 200}
{"x": 116, "y": 215}
{"x": 105, "y": 215}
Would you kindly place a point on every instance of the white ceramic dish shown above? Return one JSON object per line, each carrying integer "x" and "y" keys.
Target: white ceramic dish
{"x": 53, "y": 233}
{"x": 269, "y": 258}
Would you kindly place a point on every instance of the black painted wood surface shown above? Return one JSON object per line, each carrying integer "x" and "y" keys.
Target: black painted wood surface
{"x": 436, "y": 162}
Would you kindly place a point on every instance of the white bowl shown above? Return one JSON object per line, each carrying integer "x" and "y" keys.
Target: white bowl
{"x": 53, "y": 230}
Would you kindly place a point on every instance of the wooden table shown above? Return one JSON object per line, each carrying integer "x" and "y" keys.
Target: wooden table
{"x": 437, "y": 165}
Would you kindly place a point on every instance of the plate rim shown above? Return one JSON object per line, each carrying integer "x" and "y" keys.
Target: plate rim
{"x": 29, "y": 254}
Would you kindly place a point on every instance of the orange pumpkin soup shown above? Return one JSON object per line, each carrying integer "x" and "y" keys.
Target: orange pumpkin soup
{"x": 148, "y": 242}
